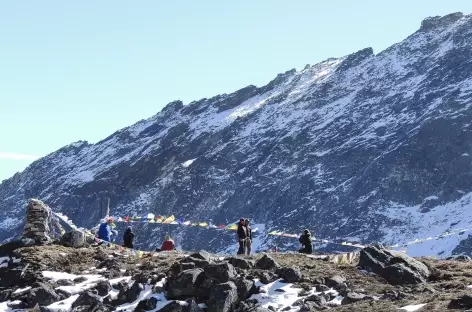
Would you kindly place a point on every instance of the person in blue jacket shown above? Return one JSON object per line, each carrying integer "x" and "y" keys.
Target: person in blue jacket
{"x": 105, "y": 231}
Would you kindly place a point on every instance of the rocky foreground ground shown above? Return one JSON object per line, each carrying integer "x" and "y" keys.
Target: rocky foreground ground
{"x": 58, "y": 278}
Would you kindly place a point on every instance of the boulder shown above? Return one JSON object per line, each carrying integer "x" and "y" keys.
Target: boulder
{"x": 335, "y": 281}
{"x": 266, "y": 277}
{"x": 321, "y": 287}
{"x": 129, "y": 294}
{"x": 241, "y": 263}
{"x": 146, "y": 305}
{"x": 266, "y": 263}
{"x": 5, "y": 294}
{"x": 199, "y": 263}
{"x": 202, "y": 255}
{"x": 223, "y": 298}
{"x": 65, "y": 282}
{"x": 319, "y": 299}
{"x": 187, "y": 266}
{"x": 17, "y": 305}
{"x": 393, "y": 295}
{"x": 246, "y": 288}
{"x": 87, "y": 299}
{"x": 185, "y": 284}
{"x": 75, "y": 239}
{"x": 205, "y": 289}
{"x": 192, "y": 306}
{"x": 43, "y": 295}
{"x": 173, "y": 306}
{"x": 141, "y": 277}
{"x": 461, "y": 303}
{"x": 220, "y": 272}
{"x": 311, "y": 306}
{"x": 395, "y": 267}
{"x": 290, "y": 275}
{"x": 353, "y": 297}
{"x": 103, "y": 288}
{"x": 120, "y": 285}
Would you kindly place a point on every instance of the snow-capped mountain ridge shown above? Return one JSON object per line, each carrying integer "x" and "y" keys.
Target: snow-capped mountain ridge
{"x": 337, "y": 147}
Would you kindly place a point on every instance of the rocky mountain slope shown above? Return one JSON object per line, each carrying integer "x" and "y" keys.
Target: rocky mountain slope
{"x": 54, "y": 278}
{"x": 367, "y": 147}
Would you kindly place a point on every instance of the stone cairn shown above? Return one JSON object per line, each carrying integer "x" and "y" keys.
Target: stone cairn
{"x": 38, "y": 218}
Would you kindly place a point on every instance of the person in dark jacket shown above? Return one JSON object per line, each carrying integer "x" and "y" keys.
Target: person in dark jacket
{"x": 242, "y": 235}
{"x": 249, "y": 237}
{"x": 128, "y": 237}
{"x": 306, "y": 241}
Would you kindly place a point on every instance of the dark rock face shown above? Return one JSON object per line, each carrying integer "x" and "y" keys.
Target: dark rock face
{"x": 395, "y": 267}
{"x": 290, "y": 275}
{"x": 192, "y": 306}
{"x": 129, "y": 294}
{"x": 267, "y": 277}
{"x": 245, "y": 288}
{"x": 174, "y": 306}
{"x": 266, "y": 263}
{"x": 202, "y": 255}
{"x": 146, "y": 305}
{"x": 103, "y": 288}
{"x": 220, "y": 272}
{"x": 43, "y": 295}
{"x": 335, "y": 281}
{"x": 223, "y": 298}
{"x": 185, "y": 284}
{"x": 367, "y": 135}
{"x": 88, "y": 302}
{"x": 463, "y": 302}
{"x": 353, "y": 297}
{"x": 241, "y": 263}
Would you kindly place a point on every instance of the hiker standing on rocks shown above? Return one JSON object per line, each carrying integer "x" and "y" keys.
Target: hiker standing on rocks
{"x": 242, "y": 236}
{"x": 249, "y": 237}
{"x": 128, "y": 237}
{"x": 306, "y": 241}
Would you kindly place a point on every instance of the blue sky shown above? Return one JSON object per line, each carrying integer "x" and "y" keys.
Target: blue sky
{"x": 80, "y": 70}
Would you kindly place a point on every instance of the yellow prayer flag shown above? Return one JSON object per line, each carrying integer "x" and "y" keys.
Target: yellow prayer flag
{"x": 169, "y": 220}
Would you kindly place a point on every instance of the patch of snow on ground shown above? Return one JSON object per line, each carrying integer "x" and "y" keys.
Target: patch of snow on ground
{"x": 63, "y": 305}
{"x": 5, "y": 308}
{"x": 55, "y": 276}
{"x": 279, "y": 300}
{"x": 412, "y": 308}
{"x": 187, "y": 163}
{"x": 91, "y": 281}
{"x": 20, "y": 290}
{"x": 146, "y": 294}
{"x": 119, "y": 279}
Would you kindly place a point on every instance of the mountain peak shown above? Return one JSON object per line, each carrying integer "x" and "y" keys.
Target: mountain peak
{"x": 363, "y": 148}
{"x": 433, "y": 22}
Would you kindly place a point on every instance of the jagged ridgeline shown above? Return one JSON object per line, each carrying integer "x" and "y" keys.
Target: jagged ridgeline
{"x": 367, "y": 147}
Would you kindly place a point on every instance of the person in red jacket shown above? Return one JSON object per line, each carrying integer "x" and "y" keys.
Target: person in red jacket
{"x": 167, "y": 245}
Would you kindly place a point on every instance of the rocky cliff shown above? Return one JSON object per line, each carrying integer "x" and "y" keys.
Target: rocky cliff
{"x": 367, "y": 147}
